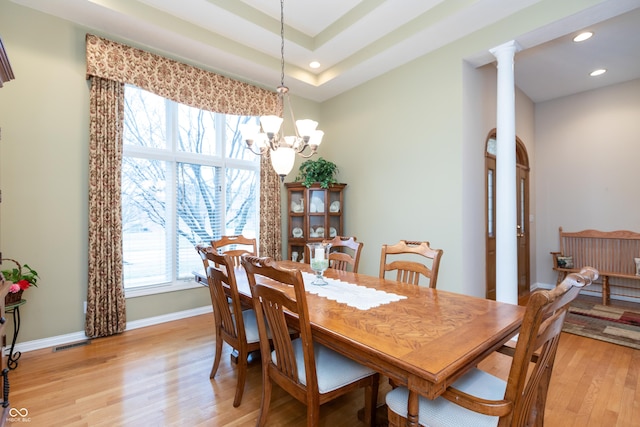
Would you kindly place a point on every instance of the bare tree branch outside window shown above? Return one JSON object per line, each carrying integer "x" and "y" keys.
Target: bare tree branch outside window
{"x": 186, "y": 179}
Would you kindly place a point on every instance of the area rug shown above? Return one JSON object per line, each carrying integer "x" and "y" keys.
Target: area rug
{"x": 616, "y": 325}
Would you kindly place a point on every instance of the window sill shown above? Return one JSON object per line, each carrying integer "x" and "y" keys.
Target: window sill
{"x": 160, "y": 289}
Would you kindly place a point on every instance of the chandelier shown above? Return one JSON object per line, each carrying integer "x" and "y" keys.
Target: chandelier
{"x": 267, "y": 137}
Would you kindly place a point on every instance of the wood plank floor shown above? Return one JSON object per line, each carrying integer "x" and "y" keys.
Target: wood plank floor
{"x": 159, "y": 376}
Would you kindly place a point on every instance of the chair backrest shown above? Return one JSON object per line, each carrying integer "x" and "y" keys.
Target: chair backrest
{"x": 270, "y": 302}
{"x": 203, "y": 251}
{"x": 224, "y": 294}
{"x": 345, "y": 253}
{"x": 235, "y": 247}
{"x": 538, "y": 341}
{"x": 409, "y": 271}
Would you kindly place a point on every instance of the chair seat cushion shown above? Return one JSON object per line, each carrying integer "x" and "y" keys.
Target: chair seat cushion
{"x": 250, "y": 326}
{"x": 441, "y": 412}
{"x": 332, "y": 369}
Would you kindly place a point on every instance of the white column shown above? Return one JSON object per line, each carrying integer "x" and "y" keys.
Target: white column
{"x": 506, "y": 197}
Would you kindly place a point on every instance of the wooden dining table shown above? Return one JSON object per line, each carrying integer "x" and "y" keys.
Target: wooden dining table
{"x": 425, "y": 341}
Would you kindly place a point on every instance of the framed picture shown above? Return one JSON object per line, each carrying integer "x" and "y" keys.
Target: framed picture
{"x": 565, "y": 261}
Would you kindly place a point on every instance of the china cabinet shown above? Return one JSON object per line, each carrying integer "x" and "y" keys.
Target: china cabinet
{"x": 314, "y": 214}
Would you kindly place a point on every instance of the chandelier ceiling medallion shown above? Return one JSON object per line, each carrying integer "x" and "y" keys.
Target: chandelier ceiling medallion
{"x": 267, "y": 137}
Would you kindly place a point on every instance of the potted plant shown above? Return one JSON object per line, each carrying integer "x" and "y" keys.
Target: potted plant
{"x": 321, "y": 171}
{"x": 21, "y": 279}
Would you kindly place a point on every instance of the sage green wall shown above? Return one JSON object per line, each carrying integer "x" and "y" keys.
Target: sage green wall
{"x": 397, "y": 144}
{"x": 479, "y": 115}
{"x": 399, "y": 141}
{"x": 43, "y": 167}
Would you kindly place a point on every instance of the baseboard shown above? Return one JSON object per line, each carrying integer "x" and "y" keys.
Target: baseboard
{"x": 539, "y": 285}
{"x": 56, "y": 341}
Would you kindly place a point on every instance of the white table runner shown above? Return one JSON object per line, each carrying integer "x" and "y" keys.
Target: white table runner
{"x": 360, "y": 297}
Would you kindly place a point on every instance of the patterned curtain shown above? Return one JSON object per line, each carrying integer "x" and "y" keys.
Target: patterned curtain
{"x": 105, "y": 294}
{"x": 270, "y": 213}
{"x": 114, "y": 62}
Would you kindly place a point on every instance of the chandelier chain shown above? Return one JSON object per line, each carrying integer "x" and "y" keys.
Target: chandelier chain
{"x": 282, "y": 42}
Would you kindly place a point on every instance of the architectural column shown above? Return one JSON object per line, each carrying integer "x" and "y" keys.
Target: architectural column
{"x": 506, "y": 197}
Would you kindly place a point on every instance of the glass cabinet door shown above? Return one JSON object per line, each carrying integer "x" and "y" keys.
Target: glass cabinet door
{"x": 314, "y": 214}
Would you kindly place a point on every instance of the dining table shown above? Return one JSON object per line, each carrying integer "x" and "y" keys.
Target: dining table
{"x": 420, "y": 338}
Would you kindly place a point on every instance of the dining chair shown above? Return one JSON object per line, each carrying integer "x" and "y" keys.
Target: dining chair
{"x": 481, "y": 399}
{"x": 235, "y": 247}
{"x": 310, "y": 372}
{"x": 239, "y": 332}
{"x": 410, "y": 271}
{"x": 203, "y": 250}
{"x": 345, "y": 253}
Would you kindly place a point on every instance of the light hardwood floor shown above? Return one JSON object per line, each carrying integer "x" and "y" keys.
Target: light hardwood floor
{"x": 159, "y": 376}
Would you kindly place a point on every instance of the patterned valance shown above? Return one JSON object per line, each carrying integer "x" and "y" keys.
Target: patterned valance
{"x": 177, "y": 81}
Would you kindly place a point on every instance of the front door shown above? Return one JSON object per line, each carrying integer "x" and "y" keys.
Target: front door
{"x": 522, "y": 189}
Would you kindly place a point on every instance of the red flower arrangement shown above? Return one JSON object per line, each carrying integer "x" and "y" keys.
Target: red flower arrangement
{"x": 21, "y": 285}
{"x": 21, "y": 277}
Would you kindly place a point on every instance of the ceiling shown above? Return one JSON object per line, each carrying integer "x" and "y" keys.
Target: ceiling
{"x": 357, "y": 40}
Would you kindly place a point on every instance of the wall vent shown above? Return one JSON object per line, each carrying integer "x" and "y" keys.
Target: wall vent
{"x": 72, "y": 345}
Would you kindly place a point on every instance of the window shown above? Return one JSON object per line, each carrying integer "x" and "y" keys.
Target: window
{"x": 186, "y": 179}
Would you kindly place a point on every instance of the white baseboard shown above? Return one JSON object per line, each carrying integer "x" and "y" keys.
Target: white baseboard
{"x": 539, "y": 285}
{"x": 80, "y": 336}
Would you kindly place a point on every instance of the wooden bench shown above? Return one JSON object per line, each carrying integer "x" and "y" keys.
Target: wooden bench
{"x": 613, "y": 253}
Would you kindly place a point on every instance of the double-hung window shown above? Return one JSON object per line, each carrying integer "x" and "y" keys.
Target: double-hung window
{"x": 186, "y": 179}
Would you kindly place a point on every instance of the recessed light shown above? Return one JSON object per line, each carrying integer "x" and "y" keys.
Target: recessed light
{"x": 314, "y": 64}
{"x": 583, "y": 36}
{"x": 597, "y": 72}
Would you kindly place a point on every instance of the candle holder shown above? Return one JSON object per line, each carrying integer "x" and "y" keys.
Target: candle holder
{"x": 319, "y": 260}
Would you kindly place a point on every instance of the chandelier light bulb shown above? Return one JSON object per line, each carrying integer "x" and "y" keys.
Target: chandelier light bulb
{"x": 316, "y": 138}
{"x": 271, "y": 124}
{"x": 306, "y": 127}
{"x": 282, "y": 160}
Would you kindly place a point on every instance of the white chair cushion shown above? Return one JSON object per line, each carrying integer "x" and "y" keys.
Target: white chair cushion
{"x": 250, "y": 326}
{"x": 441, "y": 412}
{"x": 332, "y": 369}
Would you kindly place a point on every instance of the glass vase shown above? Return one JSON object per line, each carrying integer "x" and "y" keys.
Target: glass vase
{"x": 319, "y": 260}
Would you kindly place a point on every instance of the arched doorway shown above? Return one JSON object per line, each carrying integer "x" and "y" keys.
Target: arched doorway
{"x": 522, "y": 187}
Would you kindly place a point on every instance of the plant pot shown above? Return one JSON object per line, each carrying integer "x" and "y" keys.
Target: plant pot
{"x": 13, "y": 298}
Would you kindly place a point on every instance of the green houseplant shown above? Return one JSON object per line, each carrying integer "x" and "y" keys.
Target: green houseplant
{"x": 321, "y": 171}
